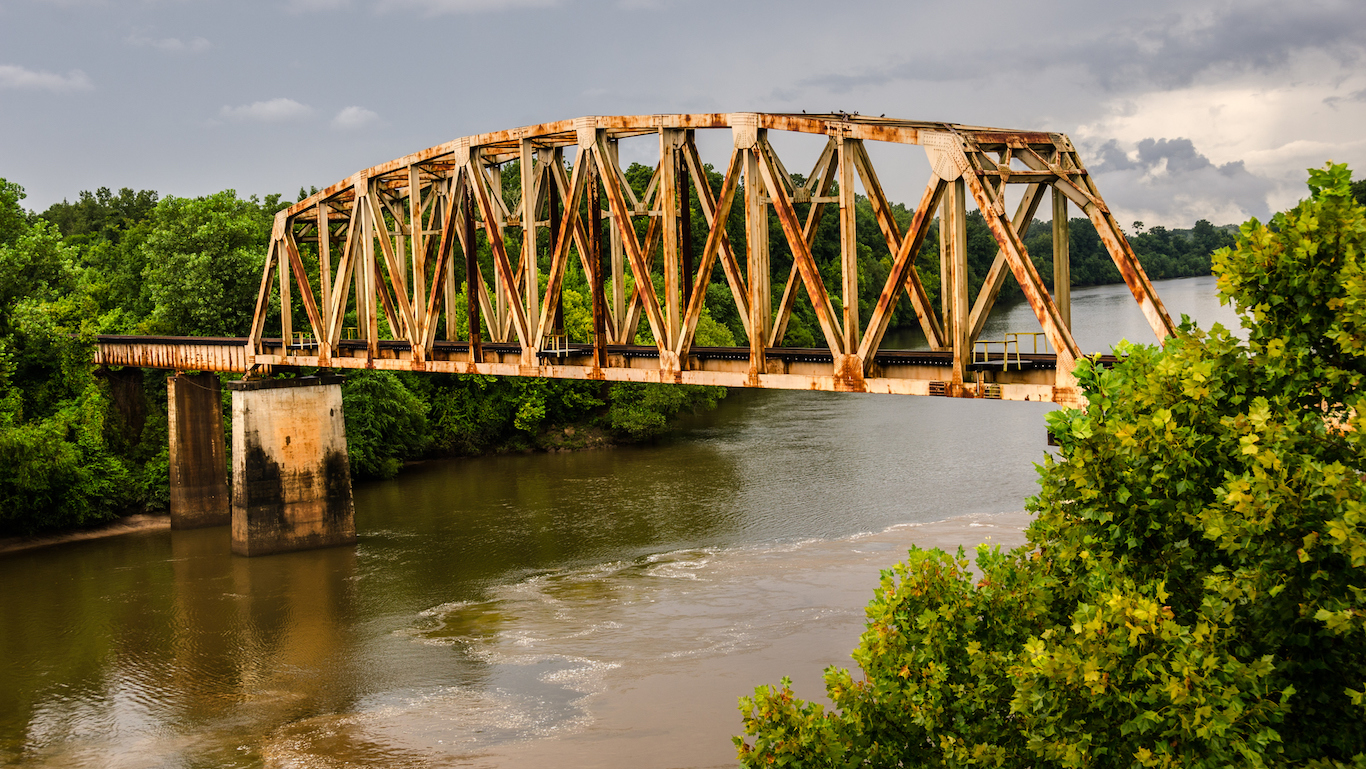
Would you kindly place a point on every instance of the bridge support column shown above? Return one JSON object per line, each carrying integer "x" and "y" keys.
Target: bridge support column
{"x": 198, "y": 458}
{"x": 291, "y": 476}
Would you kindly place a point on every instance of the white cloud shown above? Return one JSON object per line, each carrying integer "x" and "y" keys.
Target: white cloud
{"x": 273, "y": 111}
{"x": 169, "y": 44}
{"x": 354, "y": 117}
{"x": 12, "y": 76}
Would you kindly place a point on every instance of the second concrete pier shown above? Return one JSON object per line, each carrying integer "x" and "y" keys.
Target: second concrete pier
{"x": 291, "y": 475}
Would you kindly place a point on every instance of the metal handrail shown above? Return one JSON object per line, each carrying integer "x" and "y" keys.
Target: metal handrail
{"x": 1034, "y": 339}
{"x": 1005, "y": 351}
{"x": 1011, "y": 339}
{"x": 559, "y": 344}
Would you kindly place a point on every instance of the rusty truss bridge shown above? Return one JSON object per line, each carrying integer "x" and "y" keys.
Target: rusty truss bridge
{"x": 395, "y": 247}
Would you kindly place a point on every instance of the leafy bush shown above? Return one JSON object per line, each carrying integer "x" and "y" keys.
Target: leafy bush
{"x": 642, "y": 411}
{"x": 385, "y": 423}
{"x": 1192, "y": 591}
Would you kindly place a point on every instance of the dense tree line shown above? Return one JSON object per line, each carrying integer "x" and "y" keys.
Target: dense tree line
{"x": 1191, "y": 593}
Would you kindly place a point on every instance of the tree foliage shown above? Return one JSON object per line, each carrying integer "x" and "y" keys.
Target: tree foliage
{"x": 61, "y": 461}
{"x": 204, "y": 263}
{"x": 1192, "y": 589}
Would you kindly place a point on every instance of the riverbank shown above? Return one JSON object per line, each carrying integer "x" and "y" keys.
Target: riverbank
{"x": 131, "y": 524}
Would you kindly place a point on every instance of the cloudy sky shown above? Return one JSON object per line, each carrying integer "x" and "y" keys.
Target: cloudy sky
{"x": 1184, "y": 109}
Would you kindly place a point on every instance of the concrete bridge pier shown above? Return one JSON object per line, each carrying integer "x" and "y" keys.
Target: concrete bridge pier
{"x": 198, "y": 459}
{"x": 291, "y": 476}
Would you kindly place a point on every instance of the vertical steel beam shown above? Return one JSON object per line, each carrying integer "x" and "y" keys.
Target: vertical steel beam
{"x": 286, "y": 305}
{"x": 848, "y": 241}
{"x": 530, "y": 269}
{"x": 946, "y": 268}
{"x": 419, "y": 242}
{"x": 1062, "y": 260}
{"x": 756, "y": 237}
{"x": 325, "y": 272}
{"x": 620, "y": 333}
{"x": 956, "y": 284}
{"x": 596, "y": 281}
{"x": 472, "y": 280}
{"x": 668, "y": 203}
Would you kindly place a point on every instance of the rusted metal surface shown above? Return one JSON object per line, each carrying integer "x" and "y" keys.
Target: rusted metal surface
{"x": 172, "y": 353}
{"x": 399, "y": 229}
{"x": 907, "y": 372}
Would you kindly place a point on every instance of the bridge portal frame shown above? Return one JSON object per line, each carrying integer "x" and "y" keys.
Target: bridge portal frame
{"x": 398, "y": 231}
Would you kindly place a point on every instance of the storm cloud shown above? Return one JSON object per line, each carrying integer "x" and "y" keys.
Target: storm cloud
{"x": 1160, "y": 177}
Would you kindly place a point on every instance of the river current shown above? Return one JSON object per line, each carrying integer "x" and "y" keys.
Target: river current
{"x": 600, "y": 608}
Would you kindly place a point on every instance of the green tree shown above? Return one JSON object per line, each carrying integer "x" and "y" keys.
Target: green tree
{"x": 13, "y": 218}
{"x": 101, "y": 215}
{"x": 58, "y": 437}
{"x": 1192, "y": 591}
{"x": 204, "y": 260}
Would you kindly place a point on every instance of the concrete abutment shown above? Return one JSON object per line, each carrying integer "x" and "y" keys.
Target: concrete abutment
{"x": 291, "y": 476}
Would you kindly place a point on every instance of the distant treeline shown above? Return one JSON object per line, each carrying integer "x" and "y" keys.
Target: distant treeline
{"x": 133, "y": 263}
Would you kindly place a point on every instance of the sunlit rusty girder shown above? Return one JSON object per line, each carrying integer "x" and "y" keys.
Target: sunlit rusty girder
{"x": 396, "y": 241}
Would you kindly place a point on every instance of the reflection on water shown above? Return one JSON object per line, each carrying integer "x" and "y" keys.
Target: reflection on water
{"x": 155, "y": 649}
{"x": 601, "y": 607}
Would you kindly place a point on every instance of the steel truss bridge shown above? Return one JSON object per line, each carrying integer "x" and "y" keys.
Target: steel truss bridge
{"x": 400, "y": 242}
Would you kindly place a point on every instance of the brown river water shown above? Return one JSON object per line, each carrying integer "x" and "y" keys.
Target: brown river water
{"x": 595, "y": 609}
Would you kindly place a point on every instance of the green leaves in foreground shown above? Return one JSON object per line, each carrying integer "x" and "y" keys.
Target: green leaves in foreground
{"x": 1193, "y": 593}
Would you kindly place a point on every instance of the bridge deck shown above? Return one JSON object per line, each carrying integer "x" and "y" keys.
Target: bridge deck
{"x": 912, "y": 372}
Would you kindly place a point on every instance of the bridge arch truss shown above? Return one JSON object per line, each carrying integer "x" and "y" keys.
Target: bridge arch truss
{"x": 394, "y": 245}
